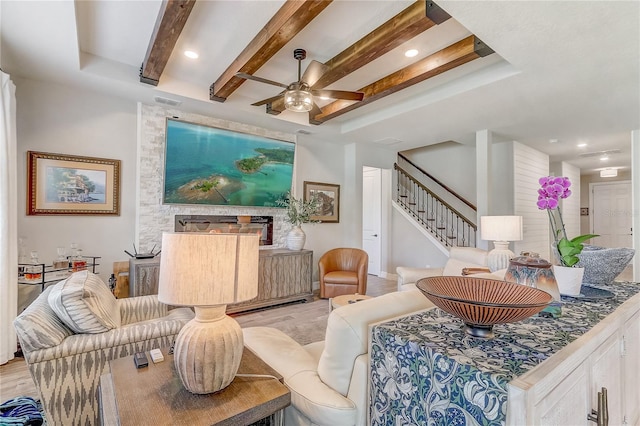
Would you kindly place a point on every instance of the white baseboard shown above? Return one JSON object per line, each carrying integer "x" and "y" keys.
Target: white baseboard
{"x": 388, "y": 276}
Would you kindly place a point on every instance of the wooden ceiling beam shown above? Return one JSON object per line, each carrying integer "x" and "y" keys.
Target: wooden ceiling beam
{"x": 292, "y": 17}
{"x": 171, "y": 20}
{"x": 450, "y": 57}
{"x": 414, "y": 20}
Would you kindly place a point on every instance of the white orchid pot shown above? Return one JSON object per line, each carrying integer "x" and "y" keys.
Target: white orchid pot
{"x": 569, "y": 279}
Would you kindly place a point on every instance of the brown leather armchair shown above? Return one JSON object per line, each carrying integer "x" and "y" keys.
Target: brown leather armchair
{"x": 343, "y": 271}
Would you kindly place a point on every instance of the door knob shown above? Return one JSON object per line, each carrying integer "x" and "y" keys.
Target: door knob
{"x": 374, "y": 235}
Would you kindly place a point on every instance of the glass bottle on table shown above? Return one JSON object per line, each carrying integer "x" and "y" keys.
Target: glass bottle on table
{"x": 33, "y": 272}
{"x": 78, "y": 262}
{"x": 61, "y": 262}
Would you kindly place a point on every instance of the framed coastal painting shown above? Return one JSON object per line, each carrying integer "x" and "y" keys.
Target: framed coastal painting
{"x": 329, "y": 196}
{"x": 60, "y": 184}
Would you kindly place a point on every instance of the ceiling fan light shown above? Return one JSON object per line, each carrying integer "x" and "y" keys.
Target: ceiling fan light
{"x": 298, "y": 100}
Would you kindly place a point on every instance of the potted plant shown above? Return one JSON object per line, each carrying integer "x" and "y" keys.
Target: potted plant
{"x": 298, "y": 212}
{"x": 568, "y": 276}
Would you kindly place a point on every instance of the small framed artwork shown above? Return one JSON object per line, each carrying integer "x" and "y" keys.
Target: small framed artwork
{"x": 59, "y": 184}
{"x": 329, "y": 196}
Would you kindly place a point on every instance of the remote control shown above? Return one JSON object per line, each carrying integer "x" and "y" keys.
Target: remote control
{"x": 156, "y": 355}
{"x": 140, "y": 360}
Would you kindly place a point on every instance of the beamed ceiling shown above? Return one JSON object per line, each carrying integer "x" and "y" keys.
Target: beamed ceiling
{"x": 528, "y": 71}
{"x": 289, "y": 20}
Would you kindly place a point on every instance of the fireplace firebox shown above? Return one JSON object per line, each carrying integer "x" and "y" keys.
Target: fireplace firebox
{"x": 227, "y": 224}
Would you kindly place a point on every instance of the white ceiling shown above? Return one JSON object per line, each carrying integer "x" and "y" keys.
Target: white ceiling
{"x": 563, "y": 70}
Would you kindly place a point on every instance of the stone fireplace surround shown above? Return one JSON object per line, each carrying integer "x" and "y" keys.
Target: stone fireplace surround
{"x": 152, "y": 217}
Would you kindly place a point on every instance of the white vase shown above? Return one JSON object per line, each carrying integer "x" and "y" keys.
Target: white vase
{"x": 569, "y": 279}
{"x": 296, "y": 238}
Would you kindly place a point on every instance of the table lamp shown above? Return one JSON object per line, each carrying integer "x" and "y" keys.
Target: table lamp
{"x": 208, "y": 271}
{"x": 501, "y": 230}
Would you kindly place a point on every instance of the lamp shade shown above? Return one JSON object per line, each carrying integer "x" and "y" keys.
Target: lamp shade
{"x": 198, "y": 269}
{"x": 501, "y": 228}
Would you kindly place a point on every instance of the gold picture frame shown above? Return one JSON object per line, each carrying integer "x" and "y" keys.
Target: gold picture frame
{"x": 329, "y": 197}
{"x": 59, "y": 184}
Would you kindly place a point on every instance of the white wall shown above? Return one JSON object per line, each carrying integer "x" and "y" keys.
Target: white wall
{"x": 502, "y": 199}
{"x": 56, "y": 119}
{"x": 410, "y": 247}
{"x": 321, "y": 161}
{"x": 529, "y": 165}
{"x": 452, "y": 163}
{"x": 570, "y": 206}
{"x": 635, "y": 189}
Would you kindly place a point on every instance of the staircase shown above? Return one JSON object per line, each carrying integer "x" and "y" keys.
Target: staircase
{"x": 428, "y": 207}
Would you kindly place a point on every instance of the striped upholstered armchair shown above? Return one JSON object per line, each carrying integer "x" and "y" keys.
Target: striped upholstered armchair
{"x": 66, "y": 366}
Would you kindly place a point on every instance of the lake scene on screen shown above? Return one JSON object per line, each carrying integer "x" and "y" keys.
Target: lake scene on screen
{"x": 207, "y": 165}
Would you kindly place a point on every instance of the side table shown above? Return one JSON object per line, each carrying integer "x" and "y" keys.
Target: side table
{"x": 154, "y": 395}
{"x": 346, "y": 299}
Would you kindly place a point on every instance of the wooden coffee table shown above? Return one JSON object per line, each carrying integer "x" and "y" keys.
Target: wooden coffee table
{"x": 347, "y": 299}
{"x": 154, "y": 395}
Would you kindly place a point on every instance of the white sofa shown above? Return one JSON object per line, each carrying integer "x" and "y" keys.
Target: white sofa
{"x": 329, "y": 379}
{"x": 459, "y": 258}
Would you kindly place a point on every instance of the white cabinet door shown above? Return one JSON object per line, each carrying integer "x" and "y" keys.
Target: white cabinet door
{"x": 567, "y": 403}
{"x": 631, "y": 370}
{"x": 606, "y": 371}
{"x": 564, "y": 389}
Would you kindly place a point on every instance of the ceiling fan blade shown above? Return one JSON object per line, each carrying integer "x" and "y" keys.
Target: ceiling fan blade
{"x": 269, "y": 100}
{"x": 314, "y": 71}
{"x": 338, "y": 94}
{"x": 315, "y": 110}
{"x": 260, "y": 79}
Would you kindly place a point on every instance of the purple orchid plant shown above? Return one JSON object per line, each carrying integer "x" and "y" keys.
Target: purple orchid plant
{"x": 552, "y": 190}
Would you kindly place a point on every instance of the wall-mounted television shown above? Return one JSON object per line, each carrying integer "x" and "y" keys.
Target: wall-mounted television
{"x": 208, "y": 165}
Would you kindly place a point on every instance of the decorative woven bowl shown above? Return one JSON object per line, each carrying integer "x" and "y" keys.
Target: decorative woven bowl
{"x": 481, "y": 303}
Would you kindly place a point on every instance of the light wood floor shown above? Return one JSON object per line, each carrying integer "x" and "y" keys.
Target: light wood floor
{"x": 305, "y": 322}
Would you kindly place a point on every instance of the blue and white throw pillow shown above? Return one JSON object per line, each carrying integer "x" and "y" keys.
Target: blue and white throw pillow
{"x": 85, "y": 304}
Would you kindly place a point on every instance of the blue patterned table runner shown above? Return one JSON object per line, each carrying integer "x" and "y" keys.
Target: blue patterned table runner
{"x": 425, "y": 370}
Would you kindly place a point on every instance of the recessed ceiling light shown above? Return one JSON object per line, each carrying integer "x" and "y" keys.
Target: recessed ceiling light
{"x": 609, "y": 173}
{"x": 191, "y": 54}
{"x": 410, "y": 53}
{"x": 582, "y": 145}
{"x": 553, "y": 140}
{"x": 604, "y": 158}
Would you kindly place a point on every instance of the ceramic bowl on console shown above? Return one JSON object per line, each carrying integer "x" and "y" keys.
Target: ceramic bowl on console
{"x": 602, "y": 265}
{"x": 481, "y": 303}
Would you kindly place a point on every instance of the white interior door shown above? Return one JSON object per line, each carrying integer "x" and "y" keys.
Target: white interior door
{"x": 371, "y": 216}
{"x": 611, "y": 214}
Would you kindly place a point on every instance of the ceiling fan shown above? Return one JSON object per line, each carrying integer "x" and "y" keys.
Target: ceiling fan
{"x": 298, "y": 96}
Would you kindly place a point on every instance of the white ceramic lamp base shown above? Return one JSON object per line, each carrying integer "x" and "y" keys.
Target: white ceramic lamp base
{"x": 499, "y": 257}
{"x": 208, "y": 350}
